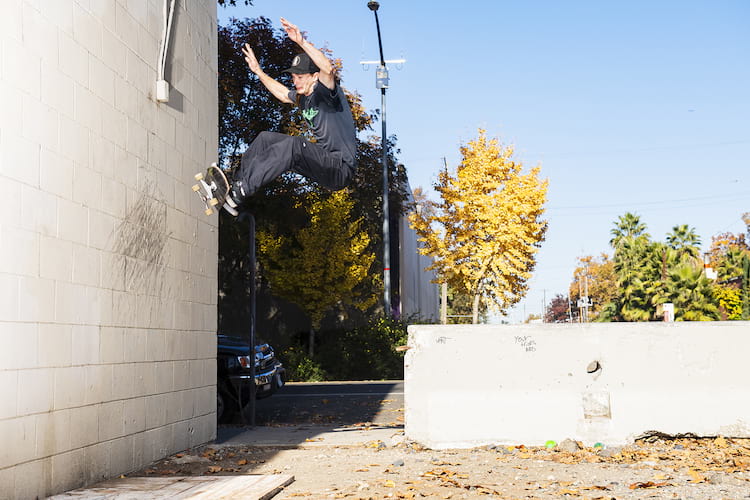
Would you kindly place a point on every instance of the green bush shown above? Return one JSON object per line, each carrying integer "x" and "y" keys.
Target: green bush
{"x": 300, "y": 368}
{"x": 367, "y": 352}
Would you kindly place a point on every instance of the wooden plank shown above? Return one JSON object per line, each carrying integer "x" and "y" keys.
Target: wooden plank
{"x": 246, "y": 487}
{"x": 255, "y": 487}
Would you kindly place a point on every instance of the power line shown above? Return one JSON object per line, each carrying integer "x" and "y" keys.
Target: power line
{"x": 653, "y": 149}
{"x": 659, "y": 204}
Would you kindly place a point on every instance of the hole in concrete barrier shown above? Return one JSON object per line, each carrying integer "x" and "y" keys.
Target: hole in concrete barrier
{"x": 593, "y": 367}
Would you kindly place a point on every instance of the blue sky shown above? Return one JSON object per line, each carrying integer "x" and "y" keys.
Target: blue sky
{"x": 636, "y": 106}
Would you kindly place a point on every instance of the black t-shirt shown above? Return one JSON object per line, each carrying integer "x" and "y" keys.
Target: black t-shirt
{"x": 328, "y": 113}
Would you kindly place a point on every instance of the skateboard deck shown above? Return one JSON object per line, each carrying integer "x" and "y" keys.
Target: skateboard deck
{"x": 213, "y": 188}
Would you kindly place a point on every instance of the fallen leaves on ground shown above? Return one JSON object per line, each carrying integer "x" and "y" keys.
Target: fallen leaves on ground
{"x": 655, "y": 465}
{"x": 693, "y": 456}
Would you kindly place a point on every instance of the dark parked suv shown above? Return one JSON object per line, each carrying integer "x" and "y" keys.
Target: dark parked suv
{"x": 233, "y": 374}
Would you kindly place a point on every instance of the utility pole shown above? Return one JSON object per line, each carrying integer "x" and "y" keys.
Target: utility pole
{"x": 583, "y": 297}
{"x": 381, "y": 82}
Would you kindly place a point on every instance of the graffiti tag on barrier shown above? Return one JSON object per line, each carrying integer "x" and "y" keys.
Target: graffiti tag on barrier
{"x": 526, "y": 342}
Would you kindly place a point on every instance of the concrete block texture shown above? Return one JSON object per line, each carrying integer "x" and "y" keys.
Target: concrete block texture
{"x": 107, "y": 264}
{"x": 525, "y": 384}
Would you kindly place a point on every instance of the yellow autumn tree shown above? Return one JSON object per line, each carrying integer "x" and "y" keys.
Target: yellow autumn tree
{"x": 485, "y": 231}
{"x": 323, "y": 264}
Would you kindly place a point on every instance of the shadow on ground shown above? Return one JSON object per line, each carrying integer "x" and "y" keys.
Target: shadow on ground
{"x": 344, "y": 404}
{"x": 298, "y": 416}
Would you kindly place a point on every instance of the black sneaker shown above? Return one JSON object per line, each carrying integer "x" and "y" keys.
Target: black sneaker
{"x": 237, "y": 193}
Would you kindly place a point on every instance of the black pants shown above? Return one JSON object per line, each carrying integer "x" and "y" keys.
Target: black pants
{"x": 271, "y": 154}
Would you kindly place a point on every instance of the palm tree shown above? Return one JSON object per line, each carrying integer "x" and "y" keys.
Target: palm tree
{"x": 633, "y": 267}
{"x": 628, "y": 227}
{"x": 690, "y": 291}
{"x": 684, "y": 240}
{"x": 730, "y": 265}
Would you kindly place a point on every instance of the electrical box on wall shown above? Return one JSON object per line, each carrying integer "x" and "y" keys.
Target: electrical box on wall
{"x": 162, "y": 90}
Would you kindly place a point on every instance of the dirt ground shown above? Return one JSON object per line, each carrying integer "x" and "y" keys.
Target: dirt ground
{"x": 708, "y": 468}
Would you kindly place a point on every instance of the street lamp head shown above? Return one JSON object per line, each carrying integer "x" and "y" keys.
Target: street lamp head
{"x": 373, "y": 5}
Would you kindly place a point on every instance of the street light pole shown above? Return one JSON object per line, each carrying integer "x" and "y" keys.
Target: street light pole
{"x": 381, "y": 82}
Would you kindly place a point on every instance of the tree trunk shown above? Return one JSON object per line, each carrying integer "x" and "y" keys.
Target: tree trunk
{"x": 475, "y": 310}
{"x": 311, "y": 341}
{"x": 444, "y": 303}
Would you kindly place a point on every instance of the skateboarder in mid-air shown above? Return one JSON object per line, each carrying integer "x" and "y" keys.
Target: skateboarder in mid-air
{"x": 329, "y": 161}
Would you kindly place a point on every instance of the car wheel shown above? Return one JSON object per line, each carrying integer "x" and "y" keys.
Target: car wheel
{"x": 224, "y": 408}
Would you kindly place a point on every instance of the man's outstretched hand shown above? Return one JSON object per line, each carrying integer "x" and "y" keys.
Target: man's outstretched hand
{"x": 250, "y": 58}
{"x": 292, "y": 32}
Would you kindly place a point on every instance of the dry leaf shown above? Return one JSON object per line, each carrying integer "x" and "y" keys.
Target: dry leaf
{"x": 214, "y": 469}
{"x": 647, "y": 485}
{"x": 389, "y": 484}
{"x": 696, "y": 477}
{"x": 242, "y": 462}
{"x": 361, "y": 470}
{"x": 721, "y": 442}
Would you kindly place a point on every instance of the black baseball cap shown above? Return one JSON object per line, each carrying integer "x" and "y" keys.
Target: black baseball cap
{"x": 302, "y": 64}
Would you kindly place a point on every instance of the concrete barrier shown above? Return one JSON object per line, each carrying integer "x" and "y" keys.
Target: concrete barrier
{"x": 473, "y": 385}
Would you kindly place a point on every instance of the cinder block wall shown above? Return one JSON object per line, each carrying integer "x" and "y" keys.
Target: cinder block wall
{"x": 601, "y": 382}
{"x": 107, "y": 263}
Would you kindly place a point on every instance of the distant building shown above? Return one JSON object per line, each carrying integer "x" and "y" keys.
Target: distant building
{"x": 419, "y": 297}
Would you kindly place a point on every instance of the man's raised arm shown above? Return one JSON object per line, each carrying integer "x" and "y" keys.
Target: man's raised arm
{"x": 276, "y": 88}
{"x": 327, "y": 71}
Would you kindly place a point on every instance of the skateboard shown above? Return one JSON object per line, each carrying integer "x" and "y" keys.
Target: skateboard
{"x": 213, "y": 189}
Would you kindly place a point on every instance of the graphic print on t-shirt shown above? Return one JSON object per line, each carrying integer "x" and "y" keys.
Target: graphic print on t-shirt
{"x": 308, "y": 114}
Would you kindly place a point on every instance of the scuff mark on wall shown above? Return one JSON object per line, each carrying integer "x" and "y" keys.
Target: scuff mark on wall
{"x": 139, "y": 245}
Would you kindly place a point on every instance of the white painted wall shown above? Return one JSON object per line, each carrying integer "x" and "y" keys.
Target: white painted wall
{"x": 107, "y": 265}
{"x": 470, "y": 385}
